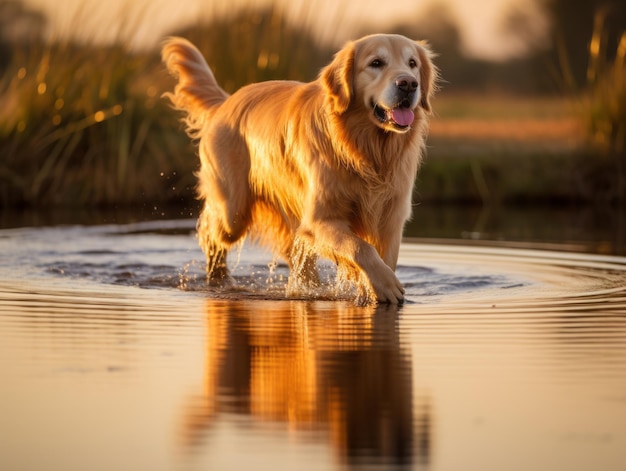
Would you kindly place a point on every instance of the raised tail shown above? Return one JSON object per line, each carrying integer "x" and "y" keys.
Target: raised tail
{"x": 197, "y": 91}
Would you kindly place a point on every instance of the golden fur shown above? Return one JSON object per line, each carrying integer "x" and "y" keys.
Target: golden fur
{"x": 324, "y": 168}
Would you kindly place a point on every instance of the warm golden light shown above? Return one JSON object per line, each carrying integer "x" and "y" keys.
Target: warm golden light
{"x": 342, "y": 370}
{"x": 621, "y": 48}
{"x": 99, "y": 116}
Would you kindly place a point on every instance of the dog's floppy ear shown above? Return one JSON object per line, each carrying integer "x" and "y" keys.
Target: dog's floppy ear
{"x": 337, "y": 79}
{"x": 428, "y": 75}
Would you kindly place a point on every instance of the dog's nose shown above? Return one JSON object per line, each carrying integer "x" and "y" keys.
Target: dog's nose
{"x": 406, "y": 83}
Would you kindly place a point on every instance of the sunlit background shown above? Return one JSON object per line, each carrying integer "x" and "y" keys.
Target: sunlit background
{"x": 530, "y": 111}
{"x": 485, "y": 36}
{"x": 509, "y": 353}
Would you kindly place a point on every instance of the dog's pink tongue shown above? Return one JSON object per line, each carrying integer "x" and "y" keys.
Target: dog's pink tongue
{"x": 402, "y": 116}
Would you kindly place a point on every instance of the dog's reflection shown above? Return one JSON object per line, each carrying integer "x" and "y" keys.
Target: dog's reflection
{"x": 321, "y": 366}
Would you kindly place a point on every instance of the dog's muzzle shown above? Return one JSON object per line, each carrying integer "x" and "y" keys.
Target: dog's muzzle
{"x": 401, "y": 115}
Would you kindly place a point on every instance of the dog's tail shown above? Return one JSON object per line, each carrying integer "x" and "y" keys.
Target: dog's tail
{"x": 197, "y": 91}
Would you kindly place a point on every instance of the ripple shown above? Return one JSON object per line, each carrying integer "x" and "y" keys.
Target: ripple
{"x": 111, "y": 340}
{"x": 164, "y": 255}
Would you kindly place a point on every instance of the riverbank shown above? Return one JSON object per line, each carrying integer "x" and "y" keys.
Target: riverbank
{"x": 520, "y": 150}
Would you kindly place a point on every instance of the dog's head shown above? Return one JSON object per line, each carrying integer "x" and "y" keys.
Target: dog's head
{"x": 390, "y": 75}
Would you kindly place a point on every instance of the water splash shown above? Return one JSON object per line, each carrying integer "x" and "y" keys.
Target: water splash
{"x": 187, "y": 277}
{"x": 312, "y": 278}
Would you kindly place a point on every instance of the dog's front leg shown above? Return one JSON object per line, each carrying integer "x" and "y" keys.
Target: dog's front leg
{"x": 360, "y": 260}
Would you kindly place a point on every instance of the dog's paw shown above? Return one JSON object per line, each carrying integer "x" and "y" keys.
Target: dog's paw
{"x": 387, "y": 287}
{"x": 219, "y": 277}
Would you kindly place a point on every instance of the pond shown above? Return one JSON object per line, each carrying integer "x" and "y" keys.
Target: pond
{"x": 510, "y": 352}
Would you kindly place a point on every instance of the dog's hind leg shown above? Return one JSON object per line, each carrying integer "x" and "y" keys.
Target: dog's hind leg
{"x": 225, "y": 219}
{"x": 215, "y": 251}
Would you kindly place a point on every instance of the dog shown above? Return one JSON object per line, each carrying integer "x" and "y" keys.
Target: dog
{"x": 318, "y": 169}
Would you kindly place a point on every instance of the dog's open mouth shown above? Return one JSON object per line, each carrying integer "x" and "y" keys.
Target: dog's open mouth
{"x": 400, "y": 116}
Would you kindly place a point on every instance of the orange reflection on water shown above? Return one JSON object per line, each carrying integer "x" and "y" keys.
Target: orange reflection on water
{"x": 330, "y": 368}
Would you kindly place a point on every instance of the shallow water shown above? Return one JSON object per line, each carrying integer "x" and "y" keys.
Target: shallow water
{"x": 114, "y": 355}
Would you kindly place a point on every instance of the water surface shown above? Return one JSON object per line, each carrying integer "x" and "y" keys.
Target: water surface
{"x": 115, "y": 355}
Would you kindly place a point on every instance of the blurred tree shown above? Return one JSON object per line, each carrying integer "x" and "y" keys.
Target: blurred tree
{"x": 459, "y": 72}
{"x": 18, "y": 24}
{"x": 438, "y": 27}
{"x": 525, "y": 26}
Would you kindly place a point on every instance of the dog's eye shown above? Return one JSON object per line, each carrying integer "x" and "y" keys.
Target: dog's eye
{"x": 412, "y": 63}
{"x": 377, "y": 63}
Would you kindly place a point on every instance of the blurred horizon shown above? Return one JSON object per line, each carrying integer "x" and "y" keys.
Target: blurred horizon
{"x": 143, "y": 23}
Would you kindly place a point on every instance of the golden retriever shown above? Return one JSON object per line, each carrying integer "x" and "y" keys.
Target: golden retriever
{"x": 324, "y": 168}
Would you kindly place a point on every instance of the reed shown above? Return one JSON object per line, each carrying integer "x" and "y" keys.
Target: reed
{"x": 85, "y": 125}
{"x": 258, "y": 45}
{"x": 604, "y": 102}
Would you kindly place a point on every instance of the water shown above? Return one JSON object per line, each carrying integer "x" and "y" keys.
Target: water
{"x": 115, "y": 355}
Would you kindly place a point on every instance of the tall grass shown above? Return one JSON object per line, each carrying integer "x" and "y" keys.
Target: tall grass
{"x": 602, "y": 103}
{"x": 258, "y": 45}
{"x": 85, "y": 125}
{"x": 605, "y": 102}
